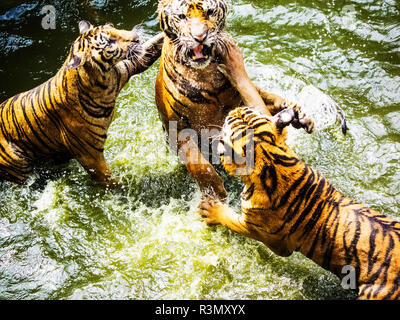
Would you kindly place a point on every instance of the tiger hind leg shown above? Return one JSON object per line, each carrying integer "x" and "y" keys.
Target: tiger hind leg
{"x": 208, "y": 180}
{"x": 96, "y": 166}
{"x": 378, "y": 292}
{"x": 13, "y": 166}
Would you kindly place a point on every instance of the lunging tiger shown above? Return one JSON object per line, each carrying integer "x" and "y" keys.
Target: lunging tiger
{"x": 69, "y": 115}
{"x": 190, "y": 90}
{"x": 291, "y": 207}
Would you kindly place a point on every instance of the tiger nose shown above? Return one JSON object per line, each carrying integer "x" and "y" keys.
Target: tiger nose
{"x": 199, "y": 33}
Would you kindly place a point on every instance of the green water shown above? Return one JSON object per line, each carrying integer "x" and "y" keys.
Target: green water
{"x": 67, "y": 239}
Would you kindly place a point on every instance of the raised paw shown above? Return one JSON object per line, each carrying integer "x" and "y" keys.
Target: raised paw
{"x": 211, "y": 210}
{"x": 293, "y": 114}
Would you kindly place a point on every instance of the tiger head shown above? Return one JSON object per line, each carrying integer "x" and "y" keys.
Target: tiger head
{"x": 244, "y": 136}
{"x": 195, "y": 29}
{"x": 102, "y": 47}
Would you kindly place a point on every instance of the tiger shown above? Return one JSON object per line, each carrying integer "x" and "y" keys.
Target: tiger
{"x": 68, "y": 116}
{"x": 290, "y": 207}
{"x": 191, "y": 92}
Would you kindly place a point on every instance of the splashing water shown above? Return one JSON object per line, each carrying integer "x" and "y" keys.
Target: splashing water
{"x": 320, "y": 107}
{"x": 68, "y": 239}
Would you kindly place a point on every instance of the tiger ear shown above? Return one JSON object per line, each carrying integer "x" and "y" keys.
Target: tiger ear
{"x": 75, "y": 62}
{"x": 84, "y": 26}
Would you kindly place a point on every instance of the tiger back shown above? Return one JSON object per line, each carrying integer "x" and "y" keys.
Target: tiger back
{"x": 291, "y": 207}
{"x": 69, "y": 115}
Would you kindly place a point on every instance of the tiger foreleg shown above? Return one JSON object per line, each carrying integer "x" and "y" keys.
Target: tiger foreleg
{"x": 253, "y": 97}
{"x": 98, "y": 169}
{"x": 208, "y": 180}
{"x": 140, "y": 62}
{"x": 215, "y": 213}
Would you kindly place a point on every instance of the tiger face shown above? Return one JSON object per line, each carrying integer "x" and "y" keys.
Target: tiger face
{"x": 102, "y": 47}
{"x": 194, "y": 27}
{"x": 242, "y": 130}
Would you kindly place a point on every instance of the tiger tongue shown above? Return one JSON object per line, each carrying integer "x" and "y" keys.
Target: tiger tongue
{"x": 198, "y": 52}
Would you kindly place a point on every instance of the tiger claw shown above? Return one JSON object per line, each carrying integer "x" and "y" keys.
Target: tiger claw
{"x": 209, "y": 211}
{"x": 294, "y": 115}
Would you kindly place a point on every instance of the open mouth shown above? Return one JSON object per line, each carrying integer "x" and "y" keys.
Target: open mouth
{"x": 200, "y": 53}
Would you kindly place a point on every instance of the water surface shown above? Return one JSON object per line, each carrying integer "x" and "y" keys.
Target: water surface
{"x": 67, "y": 239}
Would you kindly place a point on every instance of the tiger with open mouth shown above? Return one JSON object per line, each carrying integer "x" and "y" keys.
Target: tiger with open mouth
{"x": 190, "y": 89}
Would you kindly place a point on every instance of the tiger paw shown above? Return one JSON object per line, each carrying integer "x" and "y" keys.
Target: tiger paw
{"x": 293, "y": 114}
{"x": 232, "y": 64}
{"x": 211, "y": 211}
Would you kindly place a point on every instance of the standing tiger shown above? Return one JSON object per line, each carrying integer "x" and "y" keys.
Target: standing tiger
{"x": 290, "y": 207}
{"x": 69, "y": 115}
{"x": 190, "y": 90}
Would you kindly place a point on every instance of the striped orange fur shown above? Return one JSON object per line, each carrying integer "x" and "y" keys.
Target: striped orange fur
{"x": 291, "y": 207}
{"x": 69, "y": 115}
{"x": 189, "y": 88}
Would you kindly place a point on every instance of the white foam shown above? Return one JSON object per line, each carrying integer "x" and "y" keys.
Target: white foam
{"x": 318, "y": 106}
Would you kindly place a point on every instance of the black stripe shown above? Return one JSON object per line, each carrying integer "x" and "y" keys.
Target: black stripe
{"x": 310, "y": 204}
{"x": 22, "y": 136}
{"x": 299, "y": 197}
{"x": 372, "y": 237}
{"x": 284, "y": 160}
{"x": 292, "y": 188}
{"x": 185, "y": 88}
{"x": 387, "y": 262}
{"x": 351, "y": 250}
{"x": 175, "y": 99}
{"x": 266, "y": 134}
{"x": 39, "y": 125}
{"x": 314, "y": 219}
{"x": 268, "y": 173}
{"x": 102, "y": 136}
{"x": 248, "y": 193}
{"x": 181, "y": 116}
{"x": 329, "y": 251}
{"x": 253, "y": 224}
{"x": 310, "y": 252}
{"x": 94, "y": 110}
{"x": 101, "y": 66}
{"x": 81, "y": 147}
